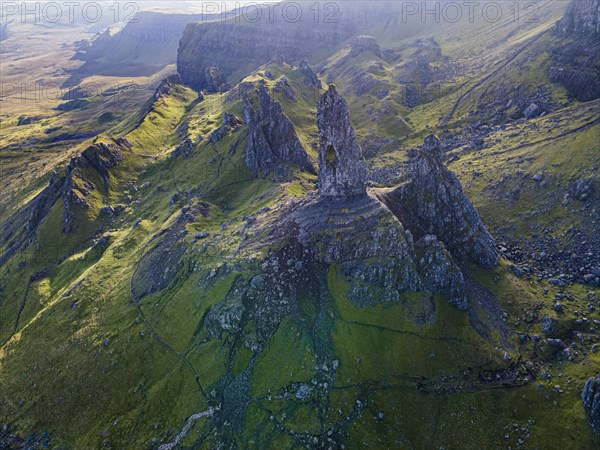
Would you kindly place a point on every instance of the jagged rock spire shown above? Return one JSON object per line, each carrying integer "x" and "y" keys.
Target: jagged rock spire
{"x": 343, "y": 172}
{"x": 272, "y": 138}
{"x": 433, "y": 203}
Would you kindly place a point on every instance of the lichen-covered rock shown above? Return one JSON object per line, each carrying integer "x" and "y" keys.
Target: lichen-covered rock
{"x": 342, "y": 168}
{"x": 272, "y": 138}
{"x": 433, "y": 202}
{"x": 591, "y": 402}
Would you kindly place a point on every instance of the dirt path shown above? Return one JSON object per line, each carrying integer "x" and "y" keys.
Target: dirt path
{"x": 186, "y": 428}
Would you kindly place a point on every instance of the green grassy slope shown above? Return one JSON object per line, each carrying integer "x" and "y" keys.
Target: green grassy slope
{"x": 86, "y": 359}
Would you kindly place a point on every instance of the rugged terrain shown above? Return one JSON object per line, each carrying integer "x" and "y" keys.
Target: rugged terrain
{"x": 363, "y": 234}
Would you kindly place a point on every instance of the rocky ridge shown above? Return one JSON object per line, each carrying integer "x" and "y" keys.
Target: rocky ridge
{"x": 153, "y": 34}
{"x": 364, "y": 43}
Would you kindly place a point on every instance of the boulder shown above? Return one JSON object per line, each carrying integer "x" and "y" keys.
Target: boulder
{"x": 591, "y": 402}
{"x": 582, "y": 189}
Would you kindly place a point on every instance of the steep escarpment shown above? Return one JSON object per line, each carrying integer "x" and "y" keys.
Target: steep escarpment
{"x": 576, "y": 57}
{"x": 582, "y": 18}
{"x": 147, "y": 43}
{"x": 239, "y": 46}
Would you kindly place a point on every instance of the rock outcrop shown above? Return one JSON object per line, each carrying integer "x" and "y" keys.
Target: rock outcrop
{"x": 342, "y": 168}
{"x": 103, "y": 156}
{"x": 591, "y": 402}
{"x": 310, "y": 77}
{"x": 581, "y": 84}
{"x": 230, "y": 124}
{"x": 160, "y": 265}
{"x": 272, "y": 138}
{"x": 95, "y": 161}
{"x": 363, "y": 43}
{"x": 439, "y": 271}
{"x": 433, "y": 203}
{"x": 364, "y": 240}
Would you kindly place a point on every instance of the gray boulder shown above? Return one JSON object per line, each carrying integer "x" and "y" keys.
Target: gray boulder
{"x": 591, "y": 402}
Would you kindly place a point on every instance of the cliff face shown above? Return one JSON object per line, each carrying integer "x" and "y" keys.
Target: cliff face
{"x": 239, "y": 46}
{"x": 158, "y": 27}
{"x": 149, "y": 41}
{"x": 577, "y": 58}
{"x": 582, "y": 18}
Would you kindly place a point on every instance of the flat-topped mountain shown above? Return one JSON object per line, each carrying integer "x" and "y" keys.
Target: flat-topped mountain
{"x": 145, "y": 45}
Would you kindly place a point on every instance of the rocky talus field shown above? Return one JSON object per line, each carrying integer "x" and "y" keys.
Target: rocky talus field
{"x": 380, "y": 231}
